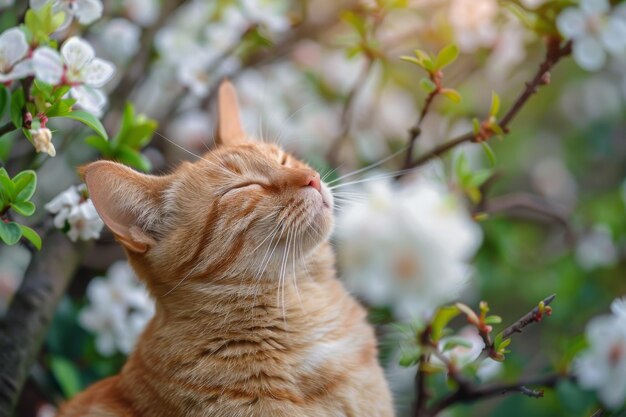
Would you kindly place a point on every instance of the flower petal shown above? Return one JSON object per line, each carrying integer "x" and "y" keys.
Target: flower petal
{"x": 37, "y": 4}
{"x": 77, "y": 53}
{"x": 98, "y": 72}
{"x": 47, "y": 65}
{"x": 13, "y": 47}
{"x": 88, "y": 11}
{"x": 90, "y": 99}
{"x": 595, "y": 7}
{"x": 614, "y": 35}
{"x": 571, "y": 23}
{"x": 589, "y": 54}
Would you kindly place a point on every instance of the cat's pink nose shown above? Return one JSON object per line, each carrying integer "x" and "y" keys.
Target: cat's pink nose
{"x": 315, "y": 182}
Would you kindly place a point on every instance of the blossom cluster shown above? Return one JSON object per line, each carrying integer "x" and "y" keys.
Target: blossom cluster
{"x": 602, "y": 367}
{"x": 407, "y": 246}
{"x": 118, "y": 310}
{"x": 74, "y": 210}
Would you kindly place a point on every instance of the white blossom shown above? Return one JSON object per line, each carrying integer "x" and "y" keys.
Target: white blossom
{"x": 192, "y": 129}
{"x": 595, "y": 30}
{"x": 407, "y": 247}
{"x": 13, "y": 56}
{"x": 596, "y": 248}
{"x": 77, "y": 66}
{"x": 119, "y": 39}
{"x": 473, "y": 23}
{"x": 85, "y": 11}
{"x": 42, "y": 140}
{"x": 119, "y": 309}
{"x": 271, "y": 14}
{"x": 72, "y": 208}
{"x": 84, "y": 221}
{"x": 602, "y": 366}
{"x": 144, "y": 12}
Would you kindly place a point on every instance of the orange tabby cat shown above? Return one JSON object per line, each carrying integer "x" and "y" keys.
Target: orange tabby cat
{"x": 250, "y": 319}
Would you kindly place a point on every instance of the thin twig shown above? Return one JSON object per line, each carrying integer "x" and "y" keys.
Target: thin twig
{"x": 533, "y": 316}
{"x": 554, "y": 54}
{"x": 347, "y": 113}
{"x": 416, "y": 130}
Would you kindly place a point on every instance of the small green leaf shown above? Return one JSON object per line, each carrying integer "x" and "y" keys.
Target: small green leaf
{"x": 426, "y": 61}
{"x": 32, "y": 236}
{"x": 66, "y": 374}
{"x": 17, "y": 107}
{"x": 479, "y": 177}
{"x": 412, "y": 60}
{"x": 7, "y": 187}
{"x": 495, "y": 104}
{"x": 103, "y": 146}
{"x": 357, "y": 22}
{"x": 133, "y": 158}
{"x": 427, "y": 85}
{"x": 493, "y": 320}
{"x": 409, "y": 358}
{"x": 25, "y": 208}
{"x": 496, "y": 128}
{"x": 25, "y": 184}
{"x": 89, "y": 120}
{"x": 453, "y": 342}
{"x": 489, "y": 152}
{"x": 441, "y": 319}
{"x": 10, "y": 233}
{"x": 446, "y": 56}
{"x": 452, "y": 94}
{"x": 476, "y": 126}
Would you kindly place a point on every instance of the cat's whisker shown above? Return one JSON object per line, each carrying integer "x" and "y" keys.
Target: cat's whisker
{"x": 370, "y": 179}
{"x": 291, "y": 116}
{"x": 371, "y": 166}
{"x": 191, "y": 153}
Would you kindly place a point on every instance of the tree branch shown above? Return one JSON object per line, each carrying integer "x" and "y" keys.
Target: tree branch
{"x": 23, "y": 328}
{"x": 554, "y": 54}
{"x": 6, "y": 128}
{"x": 469, "y": 394}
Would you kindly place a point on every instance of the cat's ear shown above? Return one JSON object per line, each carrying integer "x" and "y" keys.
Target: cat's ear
{"x": 229, "y": 129}
{"x": 128, "y": 202}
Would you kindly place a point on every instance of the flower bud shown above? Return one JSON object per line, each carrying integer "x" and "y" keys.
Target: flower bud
{"x": 42, "y": 139}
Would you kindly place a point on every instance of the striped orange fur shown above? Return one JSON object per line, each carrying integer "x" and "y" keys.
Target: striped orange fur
{"x": 250, "y": 318}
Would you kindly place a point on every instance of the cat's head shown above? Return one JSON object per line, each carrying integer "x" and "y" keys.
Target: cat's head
{"x": 241, "y": 208}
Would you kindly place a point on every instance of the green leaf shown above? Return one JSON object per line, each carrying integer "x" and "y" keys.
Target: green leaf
{"x": 452, "y": 94}
{"x": 61, "y": 107}
{"x": 490, "y": 153}
{"x": 412, "y": 60}
{"x": 441, "y": 319}
{"x": 446, "y": 56}
{"x": 140, "y": 134}
{"x": 453, "y": 342}
{"x": 17, "y": 107}
{"x": 66, "y": 374}
{"x": 10, "y": 233}
{"x": 25, "y": 208}
{"x": 25, "y": 184}
{"x": 103, "y": 146}
{"x": 89, "y": 120}
{"x": 496, "y": 128}
{"x": 133, "y": 158}
{"x": 495, "y": 104}
{"x": 426, "y": 61}
{"x": 427, "y": 85}
{"x": 32, "y": 236}
{"x": 5, "y": 98}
